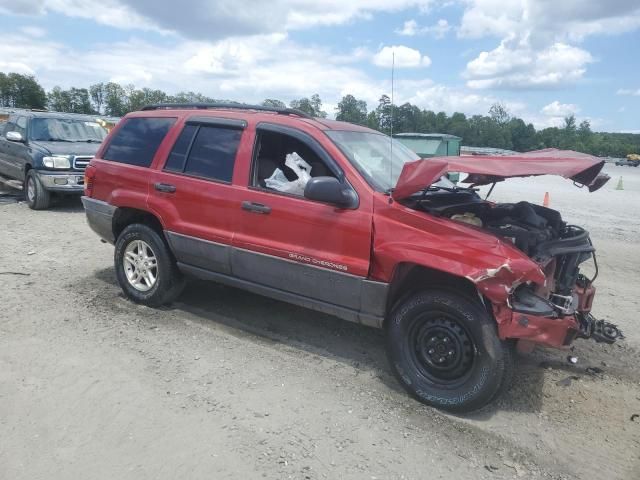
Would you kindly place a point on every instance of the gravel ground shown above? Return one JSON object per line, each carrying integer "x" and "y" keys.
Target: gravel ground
{"x": 226, "y": 384}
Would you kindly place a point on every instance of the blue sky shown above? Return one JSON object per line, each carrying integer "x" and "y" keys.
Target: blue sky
{"x": 542, "y": 59}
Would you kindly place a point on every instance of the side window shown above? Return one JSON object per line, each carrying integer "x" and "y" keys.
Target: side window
{"x": 21, "y": 126}
{"x": 9, "y": 127}
{"x": 270, "y": 169}
{"x": 205, "y": 151}
{"x": 178, "y": 155}
{"x": 137, "y": 141}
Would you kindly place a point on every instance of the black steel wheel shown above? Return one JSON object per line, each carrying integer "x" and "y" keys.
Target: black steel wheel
{"x": 444, "y": 349}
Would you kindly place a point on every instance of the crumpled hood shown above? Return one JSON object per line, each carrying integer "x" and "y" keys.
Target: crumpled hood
{"x": 483, "y": 170}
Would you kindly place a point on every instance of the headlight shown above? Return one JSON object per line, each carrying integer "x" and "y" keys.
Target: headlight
{"x": 58, "y": 161}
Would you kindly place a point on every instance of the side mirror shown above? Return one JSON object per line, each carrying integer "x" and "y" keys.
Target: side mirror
{"x": 330, "y": 190}
{"x": 15, "y": 137}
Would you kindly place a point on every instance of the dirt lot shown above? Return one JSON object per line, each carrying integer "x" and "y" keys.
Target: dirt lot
{"x": 226, "y": 384}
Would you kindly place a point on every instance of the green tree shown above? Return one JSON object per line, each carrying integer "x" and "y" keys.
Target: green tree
{"x": 457, "y": 124}
{"x": 406, "y": 118}
{"x": 115, "y": 100}
{"x": 499, "y": 114}
{"x": 58, "y": 100}
{"x": 568, "y": 140}
{"x": 97, "y": 93}
{"x": 523, "y": 136}
{"x": 190, "y": 97}
{"x": 383, "y": 114}
{"x": 311, "y": 106}
{"x": 146, "y": 96}
{"x": 373, "y": 121}
{"x": 273, "y": 103}
{"x": 21, "y": 91}
{"x": 350, "y": 109}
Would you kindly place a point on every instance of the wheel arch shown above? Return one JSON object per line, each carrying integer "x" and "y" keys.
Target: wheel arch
{"x": 409, "y": 278}
{"x": 125, "y": 216}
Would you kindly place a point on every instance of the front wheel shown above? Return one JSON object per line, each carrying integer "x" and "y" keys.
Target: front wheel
{"x": 444, "y": 349}
{"x": 38, "y": 197}
{"x": 145, "y": 268}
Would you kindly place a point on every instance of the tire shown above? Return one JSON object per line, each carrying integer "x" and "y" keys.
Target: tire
{"x": 36, "y": 196}
{"x": 445, "y": 351}
{"x": 164, "y": 282}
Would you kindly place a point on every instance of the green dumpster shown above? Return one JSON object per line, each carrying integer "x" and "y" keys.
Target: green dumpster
{"x": 428, "y": 145}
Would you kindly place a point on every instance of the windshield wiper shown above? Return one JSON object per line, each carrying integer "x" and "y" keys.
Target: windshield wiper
{"x": 88, "y": 140}
{"x": 56, "y": 140}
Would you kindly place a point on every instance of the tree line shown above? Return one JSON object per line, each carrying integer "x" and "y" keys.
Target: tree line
{"x": 498, "y": 129}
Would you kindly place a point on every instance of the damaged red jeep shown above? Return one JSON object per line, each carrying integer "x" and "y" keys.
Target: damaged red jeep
{"x": 342, "y": 219}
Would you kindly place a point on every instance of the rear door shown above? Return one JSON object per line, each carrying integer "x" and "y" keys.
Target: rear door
{"x": 287, "y": 242}
{"x": 122, "y": 178}
{"x": 193, "y": 194}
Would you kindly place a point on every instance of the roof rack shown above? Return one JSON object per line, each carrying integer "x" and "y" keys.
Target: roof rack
{"x": 226, "y": 106}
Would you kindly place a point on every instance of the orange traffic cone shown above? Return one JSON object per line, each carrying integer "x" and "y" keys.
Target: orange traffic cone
{"x": 545, "y": 202}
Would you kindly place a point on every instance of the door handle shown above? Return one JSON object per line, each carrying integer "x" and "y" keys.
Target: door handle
{"x": 165, "y": 187}
{"x": 256, "y": 207}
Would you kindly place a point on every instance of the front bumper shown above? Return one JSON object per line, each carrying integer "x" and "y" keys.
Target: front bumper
{"x": 62, "y": 182}
{"x": 100, "y": 217}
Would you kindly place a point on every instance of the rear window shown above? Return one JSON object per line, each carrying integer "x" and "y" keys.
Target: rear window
{"x": 137, "y": 141}
{"x": 205, "y": 151}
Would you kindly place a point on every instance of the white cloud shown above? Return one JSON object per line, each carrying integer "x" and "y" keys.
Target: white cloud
{"x": 538, "y": 37}
{"x": 33, "y": 31}
{"x": 432, "y": 96}
{"x": 405, "y": 57}
{"x": 557, "y": 109}
{"x": 16, "y": 67}
{"x": 516, "y": 65}
{"x": 212, "y": 20}
{"x": 411, "y": 28}
{"x": 246, "y": 69}
{"x": 629, "y": 91}
{"x": 548, "y": 21}
{"x": 107, "y": 12}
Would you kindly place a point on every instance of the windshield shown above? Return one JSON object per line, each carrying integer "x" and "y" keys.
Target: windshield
{"x": 66, "y": 130}
{"x": 372, "y": 155}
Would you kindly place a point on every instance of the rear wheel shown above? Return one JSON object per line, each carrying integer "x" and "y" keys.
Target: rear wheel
{"x": 37, "y": 197}
{"x": 445, "y": 351}
{"x": 145, "y": 268}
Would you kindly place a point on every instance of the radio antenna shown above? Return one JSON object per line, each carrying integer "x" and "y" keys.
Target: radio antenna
{"x": 393, "y": 65}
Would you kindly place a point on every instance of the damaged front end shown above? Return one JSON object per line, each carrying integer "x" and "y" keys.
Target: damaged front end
{"x": 541, "y": 297}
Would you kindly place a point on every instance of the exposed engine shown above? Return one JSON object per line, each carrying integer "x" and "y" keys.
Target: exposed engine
{"x": 541, "y": 233}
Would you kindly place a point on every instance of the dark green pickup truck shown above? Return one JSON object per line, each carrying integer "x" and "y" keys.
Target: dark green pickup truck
{"x": 48, "y": 152}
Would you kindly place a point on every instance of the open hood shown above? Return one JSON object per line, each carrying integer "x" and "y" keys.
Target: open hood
{"x": 583, "y": 169}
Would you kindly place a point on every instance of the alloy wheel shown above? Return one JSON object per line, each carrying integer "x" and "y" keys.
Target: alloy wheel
{"x": 140, "y": 265}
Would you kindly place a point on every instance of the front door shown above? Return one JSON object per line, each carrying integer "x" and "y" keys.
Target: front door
{"x": 13, "y": 155}
{"x": 193, "y": 192}
{"x": 289, "y": 243}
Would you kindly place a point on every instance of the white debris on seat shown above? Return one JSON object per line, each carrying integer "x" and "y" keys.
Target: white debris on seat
{"x": 278, "y": 181}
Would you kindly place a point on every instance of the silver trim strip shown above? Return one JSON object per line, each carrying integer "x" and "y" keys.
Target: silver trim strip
{"x": 342, "y": 294}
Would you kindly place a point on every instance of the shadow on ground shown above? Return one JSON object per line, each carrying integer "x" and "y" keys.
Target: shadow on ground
{"x": 60, "y": 203}
{"x": 264, "y": 320}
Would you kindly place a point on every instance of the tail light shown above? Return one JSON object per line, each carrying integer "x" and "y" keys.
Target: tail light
{"x": 89, "y": 177}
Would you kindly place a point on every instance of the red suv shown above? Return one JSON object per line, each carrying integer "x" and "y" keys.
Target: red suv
{"x": 343, "y": 219}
